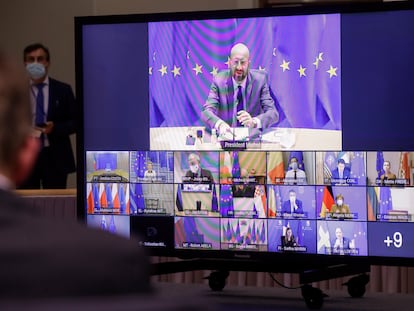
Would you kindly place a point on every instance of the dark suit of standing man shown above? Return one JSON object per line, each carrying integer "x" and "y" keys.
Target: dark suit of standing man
{"x": 56, "y": 158}
{"x": 254, "y": 108}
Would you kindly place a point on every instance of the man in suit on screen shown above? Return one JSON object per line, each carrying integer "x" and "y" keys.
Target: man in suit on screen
{"x": 196, "y": 173}
{"x": 293, "y": 206}
{"x": 240, "y": 96}
{"x": 295, "y": 175}
{"x": 341, "y": 171}
{"x": 341, "y": 245}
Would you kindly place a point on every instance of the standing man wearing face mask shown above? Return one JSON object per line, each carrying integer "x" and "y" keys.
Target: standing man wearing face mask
{"x": 197, "y": 174}
{"x": 53, "y": 106}
{"x": 295, "y": 176}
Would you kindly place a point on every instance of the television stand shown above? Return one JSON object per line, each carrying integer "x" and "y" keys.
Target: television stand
{"x": 308, "y": 274}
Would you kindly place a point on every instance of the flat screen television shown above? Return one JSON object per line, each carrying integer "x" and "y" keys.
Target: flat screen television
{"x": 153, "y": 159}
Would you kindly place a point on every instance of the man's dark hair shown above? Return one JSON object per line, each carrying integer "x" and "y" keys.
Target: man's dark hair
{"x": 33, "y": 47}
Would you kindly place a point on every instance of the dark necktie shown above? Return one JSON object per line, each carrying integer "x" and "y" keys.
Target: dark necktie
{"x": 240, "y": 105}
{"x": 294, "y": 177}
{"x": 40, "y": 111}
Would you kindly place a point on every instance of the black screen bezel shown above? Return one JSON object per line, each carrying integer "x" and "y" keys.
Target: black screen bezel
{"x": 285, "y": 10}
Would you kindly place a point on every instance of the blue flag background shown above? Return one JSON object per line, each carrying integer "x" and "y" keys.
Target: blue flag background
{"x": 301, "y": 55}
{"x": 380, "y": 163}
{"x": 106, "y": 161}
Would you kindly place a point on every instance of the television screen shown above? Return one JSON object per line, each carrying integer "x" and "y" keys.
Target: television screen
{"x": 252, "y": 133}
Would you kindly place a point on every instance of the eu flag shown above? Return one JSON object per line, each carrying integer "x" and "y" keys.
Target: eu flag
{"x": 329, "y": 164}
{"x": 239, "y": 237}
{"x": 228, "y": 231}
{"x": 385, "y": 200}
{"x": 108, "y": 191}
{"x": 138, "y": 164}
{"x": 112, "y": 226}
{"x": 122, "y": 199}
{"x": 214, "y": 203}
{"x": 263, "y": 233}
{"x": 235, "y": 171}
{"x": 380, "y": 163}
{"x": 96, "y": 198}
{"x": 106, "y": 161}
{"x": 254, "y": 234}
{"x": 191, "y": 231}
{"x": 248, "y": 238}
{"x": 179, "y": 199}
{"x": 226, "y": 201}
{"x": 358, "y": 168}
{"x": 137, "y": 199}
{"x": 103, "y": 223}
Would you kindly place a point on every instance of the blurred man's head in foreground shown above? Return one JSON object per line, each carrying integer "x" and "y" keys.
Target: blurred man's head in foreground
{"x": 18, "y": 145}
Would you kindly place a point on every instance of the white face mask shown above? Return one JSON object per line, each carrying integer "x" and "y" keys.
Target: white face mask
{"x": 36, "y": 70}
{"x": 339, "y": 202}
{"x": 194, "y": 168}
{"x": 292, "y": 199}
{"x": 294, "y": 165}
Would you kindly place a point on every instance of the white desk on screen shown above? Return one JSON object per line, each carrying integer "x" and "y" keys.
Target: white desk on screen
{"x": 277, "y": 139}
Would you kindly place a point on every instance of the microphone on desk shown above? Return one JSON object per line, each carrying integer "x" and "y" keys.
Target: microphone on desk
{"x": 232, "y": 133}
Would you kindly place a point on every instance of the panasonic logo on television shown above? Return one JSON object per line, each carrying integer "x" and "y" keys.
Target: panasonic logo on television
{"x": 241, "y": 256}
